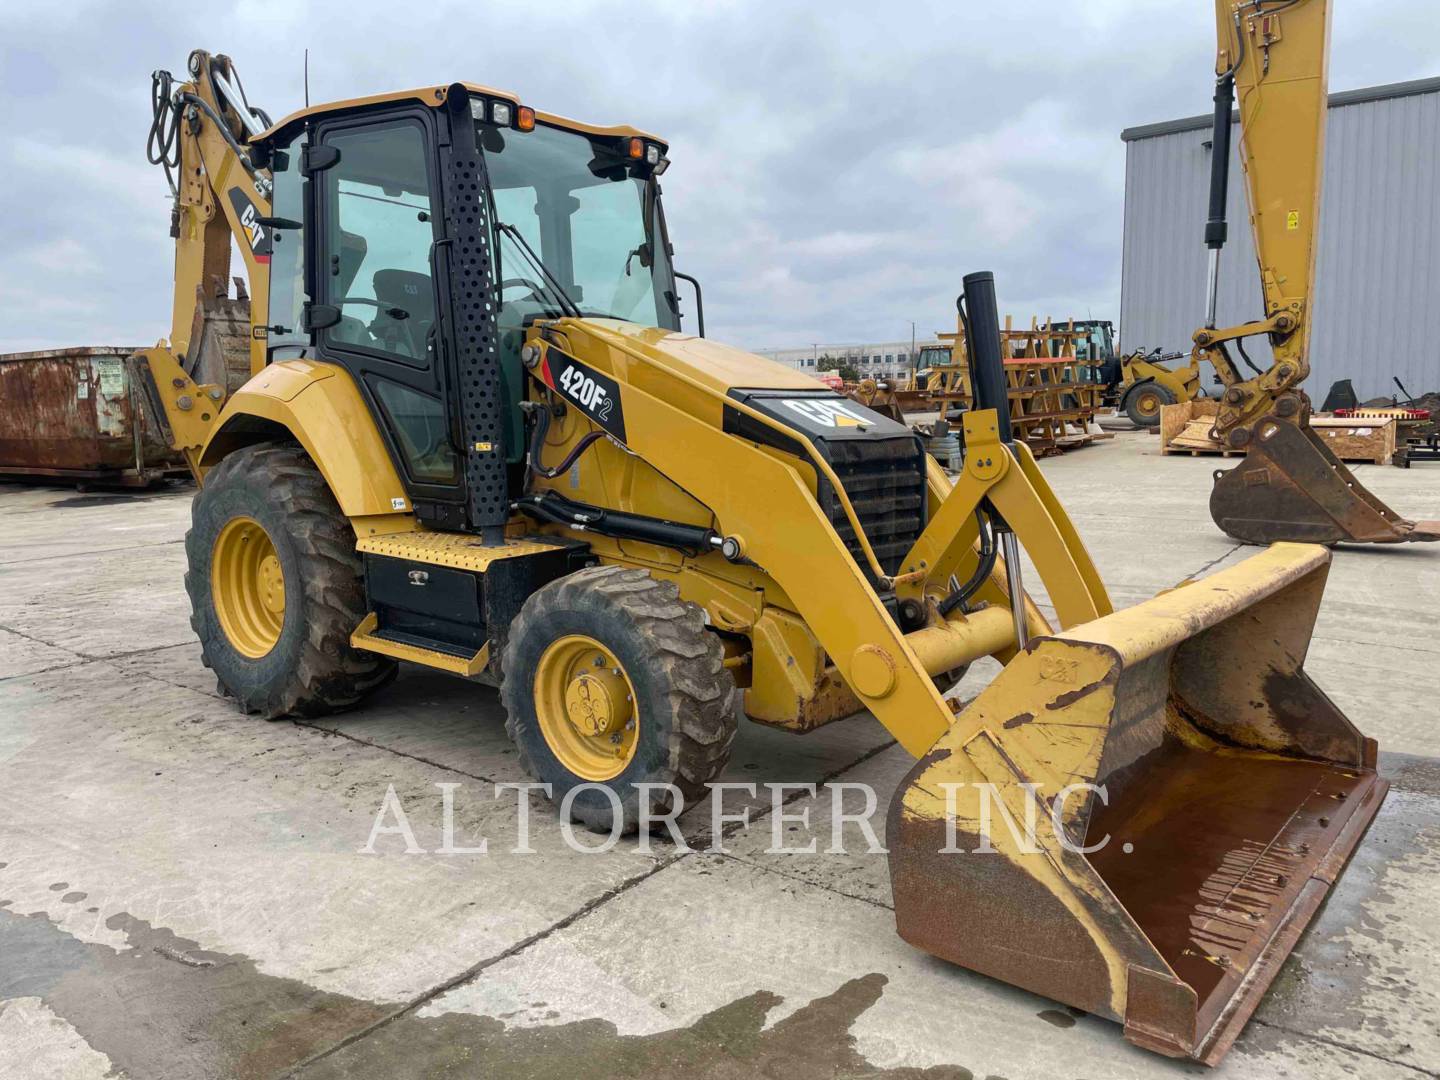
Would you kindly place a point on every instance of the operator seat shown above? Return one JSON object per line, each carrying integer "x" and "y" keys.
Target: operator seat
{"x": 353, "y": 250}
{"x": 405, "y": 291}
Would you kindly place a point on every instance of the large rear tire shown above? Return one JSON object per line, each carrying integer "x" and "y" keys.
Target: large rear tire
{"x": 609, "y": 678}
{"x": 276, "y": 587}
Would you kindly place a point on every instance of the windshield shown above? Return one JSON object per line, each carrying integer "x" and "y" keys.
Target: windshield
{"x": 574, "y": 208}
{"x": 934, "y": 356}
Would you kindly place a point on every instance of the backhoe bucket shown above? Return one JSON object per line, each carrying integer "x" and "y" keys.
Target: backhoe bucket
{"x": 1291, "y": 487}
{"x": 1140, "y": 815}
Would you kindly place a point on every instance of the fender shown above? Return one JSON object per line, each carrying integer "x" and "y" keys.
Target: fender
{"x": 321, "y": 407}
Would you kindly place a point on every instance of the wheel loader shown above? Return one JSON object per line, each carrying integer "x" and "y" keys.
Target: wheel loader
{"x": 1140, "y": 383}
{"x": 1272, "y": 57}
{"x": 475, "y": 437}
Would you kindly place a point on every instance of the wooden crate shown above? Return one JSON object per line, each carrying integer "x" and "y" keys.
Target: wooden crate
{"x": 1185, "y": 429}
{"x": 1357, "y": 439}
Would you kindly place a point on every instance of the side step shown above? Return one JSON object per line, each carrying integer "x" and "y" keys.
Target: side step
{"x": 439, "y": 598}
{"x": 365, "y": 637}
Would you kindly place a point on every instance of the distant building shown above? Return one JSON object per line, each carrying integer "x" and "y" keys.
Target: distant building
{"x": 1377, "y": 276}
{"x": 886, "y": 360}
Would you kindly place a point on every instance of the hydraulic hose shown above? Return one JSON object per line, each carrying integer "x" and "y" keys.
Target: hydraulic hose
{"x": 537, "y": 444}
{"x": 162, "y": 147}
{"x": 961, "y": 597}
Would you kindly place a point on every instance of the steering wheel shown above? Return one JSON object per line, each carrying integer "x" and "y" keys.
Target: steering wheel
{"x": 537, "y": 292}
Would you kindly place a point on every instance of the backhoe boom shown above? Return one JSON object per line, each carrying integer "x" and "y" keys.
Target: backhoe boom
{"x": 1271, "y": 57}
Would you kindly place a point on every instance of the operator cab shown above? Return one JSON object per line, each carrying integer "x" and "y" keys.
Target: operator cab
{"x": 415, "y": 237}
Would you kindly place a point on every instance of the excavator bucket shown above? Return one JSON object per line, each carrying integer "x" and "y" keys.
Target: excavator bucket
{"x": 1140, "y": 815}
{"x": 1291, "y": 487}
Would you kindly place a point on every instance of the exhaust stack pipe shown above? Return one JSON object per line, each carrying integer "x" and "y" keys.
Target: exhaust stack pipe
{"x": 981, "y": 317}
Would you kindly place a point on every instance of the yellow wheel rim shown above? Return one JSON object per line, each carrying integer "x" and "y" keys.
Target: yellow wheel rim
{"x": 585, "y": 703}
{"x": 247, "y": 587}
{"x": 1147, "y": 404}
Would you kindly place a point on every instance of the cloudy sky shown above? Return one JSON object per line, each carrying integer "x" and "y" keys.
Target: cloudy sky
{"x": 837, "y": 166}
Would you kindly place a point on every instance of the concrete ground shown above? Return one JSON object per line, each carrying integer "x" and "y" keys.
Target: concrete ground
{"x": 182, "y": 891}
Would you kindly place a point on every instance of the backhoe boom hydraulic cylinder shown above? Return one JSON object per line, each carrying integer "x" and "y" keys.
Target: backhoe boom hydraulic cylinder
{"x": 1215, "y": 225}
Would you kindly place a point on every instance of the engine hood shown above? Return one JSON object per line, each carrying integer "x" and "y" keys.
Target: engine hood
{"x": 721, "y": 367}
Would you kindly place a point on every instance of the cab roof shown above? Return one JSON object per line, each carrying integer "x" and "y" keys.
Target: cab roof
{"x": 435, "y": 96}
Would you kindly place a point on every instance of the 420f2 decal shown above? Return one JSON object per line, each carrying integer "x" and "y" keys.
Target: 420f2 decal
{"x": 595, "y": 394}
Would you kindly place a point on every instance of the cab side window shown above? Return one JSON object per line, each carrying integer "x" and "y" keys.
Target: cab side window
{"x": 286, "y": 339}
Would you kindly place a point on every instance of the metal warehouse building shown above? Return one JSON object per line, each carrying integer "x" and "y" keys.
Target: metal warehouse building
{"x": 1377, "y": 292}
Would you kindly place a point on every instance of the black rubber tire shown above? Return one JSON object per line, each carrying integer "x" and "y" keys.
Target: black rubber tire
{"x": 683, "y": 691}
{"x": 312, "y": 670}
{"x": 1140, "y": 390}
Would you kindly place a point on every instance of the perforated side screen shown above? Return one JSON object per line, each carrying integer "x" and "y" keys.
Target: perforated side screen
{"x": 474, "y": 303}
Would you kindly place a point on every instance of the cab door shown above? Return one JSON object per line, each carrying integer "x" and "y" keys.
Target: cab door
{"x": 375, "y": 303}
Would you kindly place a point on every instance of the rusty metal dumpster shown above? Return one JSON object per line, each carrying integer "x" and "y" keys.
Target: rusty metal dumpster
{"x": 73, "y": 414}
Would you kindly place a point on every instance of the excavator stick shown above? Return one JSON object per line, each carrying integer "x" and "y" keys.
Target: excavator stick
{"x": 1140, "y": 815}
{"x": 1292, "y": 487}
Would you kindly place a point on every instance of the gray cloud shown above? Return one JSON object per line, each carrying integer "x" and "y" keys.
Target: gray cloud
{"x": 837, "y": 167}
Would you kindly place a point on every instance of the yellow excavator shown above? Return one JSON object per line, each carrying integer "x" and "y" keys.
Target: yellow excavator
{"x": 464, "y": 428}
{"x": 1272, "y": 57}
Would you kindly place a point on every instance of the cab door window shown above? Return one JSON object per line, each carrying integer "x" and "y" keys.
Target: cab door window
{"x": 378, "y": 262}
{"x": 380, "y": 215}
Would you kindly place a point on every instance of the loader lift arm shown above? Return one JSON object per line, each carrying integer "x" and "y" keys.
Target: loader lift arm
{"x": 1272, "y": 57}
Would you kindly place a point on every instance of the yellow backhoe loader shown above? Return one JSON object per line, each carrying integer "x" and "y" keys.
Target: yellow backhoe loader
{"x": 474, "y": 436}
{"x": 1272, "y": 56}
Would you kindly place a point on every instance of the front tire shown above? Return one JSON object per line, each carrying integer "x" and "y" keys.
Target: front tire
{"x": 609, "y": 678}
{"x": 1144, "y": 402}
{"x": 276, "y": 587}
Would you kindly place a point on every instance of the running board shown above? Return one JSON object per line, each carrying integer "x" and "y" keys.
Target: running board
{"x": 365, "y": 637}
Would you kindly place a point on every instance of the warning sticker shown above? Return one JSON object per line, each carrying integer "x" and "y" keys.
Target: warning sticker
{"x": 110, "y": 374}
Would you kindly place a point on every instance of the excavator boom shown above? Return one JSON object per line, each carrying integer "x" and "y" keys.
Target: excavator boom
{"x": 1271, "y": 57}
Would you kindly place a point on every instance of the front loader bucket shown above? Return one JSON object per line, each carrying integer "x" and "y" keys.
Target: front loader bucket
{"x": 1291, "y": 487}
{"x": 1227, "y": 794}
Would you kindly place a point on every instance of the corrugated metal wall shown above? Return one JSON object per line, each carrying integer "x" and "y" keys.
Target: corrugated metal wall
{"x": 1377, "y": 292}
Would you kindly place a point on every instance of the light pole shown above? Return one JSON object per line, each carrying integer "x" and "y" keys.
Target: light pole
{"x": 912, "y": 352}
